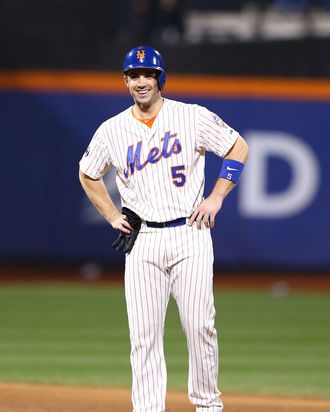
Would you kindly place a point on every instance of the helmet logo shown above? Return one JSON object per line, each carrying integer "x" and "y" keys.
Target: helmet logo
{"x": 140, "y": 55}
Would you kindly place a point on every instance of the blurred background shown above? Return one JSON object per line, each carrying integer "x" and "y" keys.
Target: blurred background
{"x": 263, "y": 66}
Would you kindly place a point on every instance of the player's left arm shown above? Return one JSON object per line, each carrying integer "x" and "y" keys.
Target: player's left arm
{"x": 207, "y": 210}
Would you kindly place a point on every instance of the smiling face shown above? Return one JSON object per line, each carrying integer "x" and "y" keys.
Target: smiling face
{"x": 143, "y": 86}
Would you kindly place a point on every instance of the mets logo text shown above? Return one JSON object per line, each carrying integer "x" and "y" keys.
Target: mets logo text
{"x": 169, "y": 148}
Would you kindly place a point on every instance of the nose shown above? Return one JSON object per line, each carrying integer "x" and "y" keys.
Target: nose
{"x": 141, "y": 81}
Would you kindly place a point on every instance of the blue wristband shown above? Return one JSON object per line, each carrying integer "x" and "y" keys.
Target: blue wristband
{"x": 231, "y": 170}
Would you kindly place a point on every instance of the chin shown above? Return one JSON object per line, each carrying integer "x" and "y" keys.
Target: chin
{"x": 144, "y": 102}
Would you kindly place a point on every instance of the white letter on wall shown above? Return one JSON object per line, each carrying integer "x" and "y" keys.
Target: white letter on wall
{"x": 254, "y": 199}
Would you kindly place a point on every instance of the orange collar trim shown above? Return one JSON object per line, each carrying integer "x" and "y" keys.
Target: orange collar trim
{"x": 149, "y": 122}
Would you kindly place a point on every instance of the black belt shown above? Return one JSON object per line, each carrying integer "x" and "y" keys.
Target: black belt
{"x": 171, "y": 223}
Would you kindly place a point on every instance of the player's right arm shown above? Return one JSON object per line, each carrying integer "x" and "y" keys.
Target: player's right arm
{"x": 97, "y": 192}
{"x": 94, "y": 164}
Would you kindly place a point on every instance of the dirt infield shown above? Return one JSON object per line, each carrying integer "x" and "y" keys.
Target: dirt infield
{"x": 93, "y": 274}
{"x": 47, "y": 398}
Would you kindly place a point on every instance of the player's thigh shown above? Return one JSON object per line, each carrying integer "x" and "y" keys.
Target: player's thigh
{"x": 192, "y": 276}
{"x": 146, "y": 282}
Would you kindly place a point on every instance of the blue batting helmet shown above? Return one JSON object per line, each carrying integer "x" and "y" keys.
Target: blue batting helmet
{"x": 148, "y": 58}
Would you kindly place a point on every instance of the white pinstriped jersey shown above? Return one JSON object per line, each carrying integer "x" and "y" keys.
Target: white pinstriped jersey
{"x": 159, "y": 171}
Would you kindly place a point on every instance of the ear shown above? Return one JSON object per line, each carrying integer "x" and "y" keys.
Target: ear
{"x": 126, "y": 80}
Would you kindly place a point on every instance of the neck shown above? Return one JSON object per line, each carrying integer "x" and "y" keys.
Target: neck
{"x": 146, "y": 112}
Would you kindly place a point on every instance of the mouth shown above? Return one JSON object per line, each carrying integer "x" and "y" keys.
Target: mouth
{"x": 143, "y": 92}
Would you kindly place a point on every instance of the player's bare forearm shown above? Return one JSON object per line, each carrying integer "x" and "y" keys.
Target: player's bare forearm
{"x": 207, "y": 210}
{"x": 223, "y": 187}
{"x": 239, "y": 151}
{"x": 99, "y": 196}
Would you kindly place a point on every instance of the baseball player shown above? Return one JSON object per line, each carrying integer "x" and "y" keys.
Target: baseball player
{"x": 157, "y": 147}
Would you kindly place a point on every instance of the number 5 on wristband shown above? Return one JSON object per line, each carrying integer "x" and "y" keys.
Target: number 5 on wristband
{"x": 231, "y": 170}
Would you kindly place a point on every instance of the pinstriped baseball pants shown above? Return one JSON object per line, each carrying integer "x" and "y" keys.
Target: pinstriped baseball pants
{"x": 179, "y": 262}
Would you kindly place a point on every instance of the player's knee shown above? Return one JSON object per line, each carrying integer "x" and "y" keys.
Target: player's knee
{"x": 201, "y": 329}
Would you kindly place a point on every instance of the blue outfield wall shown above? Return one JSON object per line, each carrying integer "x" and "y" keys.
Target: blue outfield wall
{"x": 277, "y": 216}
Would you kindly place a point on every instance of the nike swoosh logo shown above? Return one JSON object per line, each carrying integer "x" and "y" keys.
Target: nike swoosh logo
{"x": 231, "y": 168}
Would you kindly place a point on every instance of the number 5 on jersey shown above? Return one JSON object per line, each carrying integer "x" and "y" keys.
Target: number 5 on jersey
{"x": 178, "y": 176}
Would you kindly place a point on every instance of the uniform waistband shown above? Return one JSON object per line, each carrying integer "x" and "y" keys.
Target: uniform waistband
{"x": 171, "y": 223}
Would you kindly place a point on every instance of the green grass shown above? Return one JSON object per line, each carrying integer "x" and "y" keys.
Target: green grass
{"x": 79, "y": 335}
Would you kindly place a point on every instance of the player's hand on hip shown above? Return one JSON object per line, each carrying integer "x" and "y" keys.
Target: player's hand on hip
{"x": 206, "y": 211}
{"x": 119, "y": 222}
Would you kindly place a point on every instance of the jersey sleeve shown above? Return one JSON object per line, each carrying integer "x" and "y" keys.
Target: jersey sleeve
{"x": 213, "y": 134}
{"x": 96, "y": 159}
